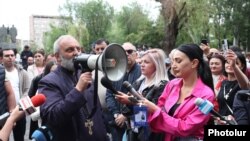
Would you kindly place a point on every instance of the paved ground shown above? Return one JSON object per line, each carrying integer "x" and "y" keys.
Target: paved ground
{"x": 26, "y": 132}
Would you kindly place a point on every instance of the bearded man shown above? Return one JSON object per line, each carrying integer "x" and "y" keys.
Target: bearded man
{"x": 70, "y": 110}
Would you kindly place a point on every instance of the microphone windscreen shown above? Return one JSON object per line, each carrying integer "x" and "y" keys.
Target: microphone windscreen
{"x": 198, "y": 101}
{"x": 126, "y": 84}
{"x": 38, "y": 100}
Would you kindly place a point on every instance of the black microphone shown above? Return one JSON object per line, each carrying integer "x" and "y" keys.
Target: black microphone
{"x": 206, "y": 107}
{"x": 107, "y": 84}
{"x": 132, "y": 90}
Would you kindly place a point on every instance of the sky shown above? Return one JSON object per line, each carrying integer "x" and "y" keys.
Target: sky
{"x": 17, "y": 12}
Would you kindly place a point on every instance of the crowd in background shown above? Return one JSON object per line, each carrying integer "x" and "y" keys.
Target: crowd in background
{"x": 168, "y": 83}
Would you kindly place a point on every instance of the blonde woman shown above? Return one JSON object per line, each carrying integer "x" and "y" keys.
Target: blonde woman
{"x": 150, "y": 85}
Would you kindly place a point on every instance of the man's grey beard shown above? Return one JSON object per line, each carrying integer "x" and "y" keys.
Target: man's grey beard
{"x": 67, "y": 64}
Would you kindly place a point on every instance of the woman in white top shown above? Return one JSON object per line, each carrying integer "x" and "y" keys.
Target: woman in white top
{"x": 38, "y": 66}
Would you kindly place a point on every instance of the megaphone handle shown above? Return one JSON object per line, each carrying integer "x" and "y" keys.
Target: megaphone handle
{"x": 86, "y": 70}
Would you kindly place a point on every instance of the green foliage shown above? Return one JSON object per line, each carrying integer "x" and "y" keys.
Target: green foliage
{"x": 97, "y": 16}
{"x": 133, "y": 25}
{"x": 80, "y": 33}
{"x": 210, "y": 19}
{"x": 232, "y": 21}
{"x": 197, "y": 26}
{"x": 51, "y": 36}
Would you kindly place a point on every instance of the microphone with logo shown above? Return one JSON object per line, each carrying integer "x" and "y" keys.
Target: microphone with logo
{"x": 26, "y": 104}
{"x": 206, "y": 107}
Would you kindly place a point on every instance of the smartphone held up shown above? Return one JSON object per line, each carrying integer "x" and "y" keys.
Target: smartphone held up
{"x": 225, "y": 47}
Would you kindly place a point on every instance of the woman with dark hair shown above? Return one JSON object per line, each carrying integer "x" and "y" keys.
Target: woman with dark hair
{"x": 176, "y": 115}
{"x": 38, "y": 66}
{"x": 235, "y": 64}
{"x": 217, "y": 67}
{"x": 150, "y": 85}
{"x": 50, "y": 66}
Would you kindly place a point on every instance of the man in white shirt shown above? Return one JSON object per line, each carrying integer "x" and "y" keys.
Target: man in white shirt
{"x": 20, "y": 83}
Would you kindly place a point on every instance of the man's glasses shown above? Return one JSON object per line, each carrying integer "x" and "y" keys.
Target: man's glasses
{"x": 130, "y": 51}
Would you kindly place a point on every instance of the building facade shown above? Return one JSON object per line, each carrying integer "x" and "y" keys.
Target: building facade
{"x": 39, "y": 24}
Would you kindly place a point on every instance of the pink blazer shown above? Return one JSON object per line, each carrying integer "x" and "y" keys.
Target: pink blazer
{"x": 187, "y": 119}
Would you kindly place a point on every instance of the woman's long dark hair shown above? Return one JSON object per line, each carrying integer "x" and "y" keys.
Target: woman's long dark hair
{"x": 193, "y": 51}
{"x": 48, "y": 66}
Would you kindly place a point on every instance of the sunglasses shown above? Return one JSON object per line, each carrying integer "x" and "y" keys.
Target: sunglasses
{"x": 130, "y": 51}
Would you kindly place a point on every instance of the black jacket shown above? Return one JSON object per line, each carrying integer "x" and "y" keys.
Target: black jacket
{"x": 241, "y": 107}
{"x": 152, "y": 93}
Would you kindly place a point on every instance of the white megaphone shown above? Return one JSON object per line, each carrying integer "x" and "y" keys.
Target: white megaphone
{"x": 112, "y": 62}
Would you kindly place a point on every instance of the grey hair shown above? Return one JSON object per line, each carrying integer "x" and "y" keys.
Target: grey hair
{"x": 56, "y": 46}
{"x": 129, "y": 44}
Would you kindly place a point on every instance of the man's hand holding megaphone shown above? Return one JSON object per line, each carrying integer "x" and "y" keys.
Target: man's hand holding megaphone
{"x": 84, "y": 81}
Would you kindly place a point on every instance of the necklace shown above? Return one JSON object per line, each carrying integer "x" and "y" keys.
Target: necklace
{"x": 226, "y": 95}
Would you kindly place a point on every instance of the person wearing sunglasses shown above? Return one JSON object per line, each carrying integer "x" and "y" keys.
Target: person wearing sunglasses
{"x": 116, "y": 116}
{"x": 150, "y": 85}
{"x": 175, "y": 114}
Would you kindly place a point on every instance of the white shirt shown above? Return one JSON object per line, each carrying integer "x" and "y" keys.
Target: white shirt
{"x": 14, "y": 80}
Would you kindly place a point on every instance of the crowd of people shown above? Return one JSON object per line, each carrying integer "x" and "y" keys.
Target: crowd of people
{"x": 168, "y": 85}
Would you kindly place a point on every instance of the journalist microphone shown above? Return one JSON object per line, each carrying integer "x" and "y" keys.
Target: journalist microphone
{"x": 175, "y": 108}
{"x": 17, "y": 114}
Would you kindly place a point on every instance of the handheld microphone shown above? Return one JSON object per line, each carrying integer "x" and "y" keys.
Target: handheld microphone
{"x": 28, "y": 104}
{"x": 206, "y": 107}
{"x": 3, "y": 118}
{"x": 107, "y": 84}
{"x": 132, "y": 90}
